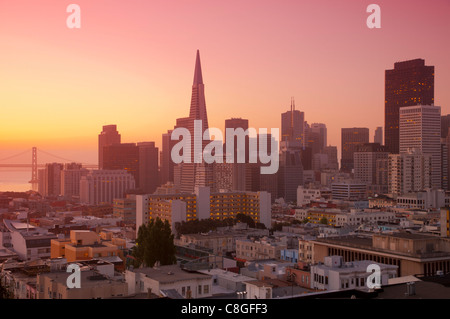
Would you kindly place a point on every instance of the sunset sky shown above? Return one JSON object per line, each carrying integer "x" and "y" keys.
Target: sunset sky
{"x": 132, "y": 64}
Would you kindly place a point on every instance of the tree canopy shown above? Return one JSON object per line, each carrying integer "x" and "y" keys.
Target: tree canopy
{"x": 205, "y": 225}
{"x": 154, "y": 243}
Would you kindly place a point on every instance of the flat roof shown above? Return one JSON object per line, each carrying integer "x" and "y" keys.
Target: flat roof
{"x": 409, "y": 236}
{"x": 358, "y": 266}
{"x": 269, "y": 283}
{"x": 88, "y": 278}
{"x": 423, "y": 290}
{"x": 361, "y": 242}
{"x": 229, "y": 275}
{"x": 354, "y": 240}
{"x": 170, "y": 273}
{"x": 21, "y": 226}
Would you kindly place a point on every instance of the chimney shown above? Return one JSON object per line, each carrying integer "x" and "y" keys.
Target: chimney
{"x": 410, "y": 288}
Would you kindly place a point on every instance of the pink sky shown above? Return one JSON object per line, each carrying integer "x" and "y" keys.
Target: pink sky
{"x": 132, "y": 64}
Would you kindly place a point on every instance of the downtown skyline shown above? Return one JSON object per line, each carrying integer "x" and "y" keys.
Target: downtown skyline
{"x": 60, "y": 86}
{"x": 199, "y": 150}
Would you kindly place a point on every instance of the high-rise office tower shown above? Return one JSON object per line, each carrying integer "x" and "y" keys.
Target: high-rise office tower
{"x": 306, "y": 133}
{"x": 292, "y": 125}
{"x": 290, "y": 172}
{"x": 148, "y": 167}
{"x": 420, "y": 128}
{"x": 238, "y": 169}
{"x": 50, "y": 179}
{"x": 378, "y": 136}
{"x": 446, "y": 141}
{"x": 444, "y": 164}
{"x": 108, "y": 136}
{"x": 166, "y": 163}
{"x": 123, "y": 156}
{"x": 409, "y": 83}
{"x": 317, "y": 137}
{"x": 307, "y": 158}
{"x": 351, "y": 139}
{"x": 331, "y": 152}
{"x": 70, "y": 180}
{"x": 255, "y": 181}
{"x": 194, "y": 174}
{"x": 365, "y": 162}
{"x": 445, "y": 125}
{"x": 103, "y": 186}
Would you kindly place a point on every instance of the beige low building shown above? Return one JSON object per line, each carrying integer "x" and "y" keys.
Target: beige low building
{"x": 247, "y": 249}
{"x": 221, "y": 242}
{"x": 93, "y": 286}
{"x": 84, "y": 245}
{"x": 171, "y": 278}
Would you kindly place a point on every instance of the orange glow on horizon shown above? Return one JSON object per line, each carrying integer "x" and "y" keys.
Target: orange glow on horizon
{"x": 131, "y": 64}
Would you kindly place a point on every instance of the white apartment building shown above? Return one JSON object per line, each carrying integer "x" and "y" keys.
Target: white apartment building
{"x": 356, "y": 217}
{"x": 163, "y": 278}
{"x": 27, "y": 241}
{"x": 307, "y": 195}
{"x": 349, "y": 190}
{"x": 339, "y": 218}
{"x": 102, "y": 186}
{"x": 334, "y": 274}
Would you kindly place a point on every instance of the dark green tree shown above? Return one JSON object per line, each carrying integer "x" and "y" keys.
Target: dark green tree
{"x": 154, "y": 243}
{"x": 324, "y": 221}
{"x": 245, "y": 219}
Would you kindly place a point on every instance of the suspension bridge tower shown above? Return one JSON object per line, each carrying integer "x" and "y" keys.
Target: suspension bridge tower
{"x": 34, "y": 171}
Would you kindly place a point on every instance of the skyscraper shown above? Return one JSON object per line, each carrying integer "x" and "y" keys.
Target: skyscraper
{"x": 70, "y": 180}
{"x": 351, "y": 138}
{"x": 317, "y": 137}
{"x": 123, "y": 156}
{"x": 445, "y": 125}
{"x": 331, "y": 152}
{"x": 409, "y": 83}
{"x": 103, "y": 186}
{"x": 290, "y": 172}
{"x": 420, "y": 128}
{"x": 51, "y": 179}
{"x": 166, "y": 163}
{"x": 365, "y": 162}
{"x": 195, "y": 174}
{"x": 238, "y": 169}
{"x": 292, "y": 125}
{"x": 108, "y": 136}
{"x": 378, "y": 136}
{"x": 148, "y": 167}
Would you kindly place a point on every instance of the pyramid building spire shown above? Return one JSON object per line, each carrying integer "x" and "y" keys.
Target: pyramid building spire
{"x": 198, "y": 104}
{"x": 198, "y": 78}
